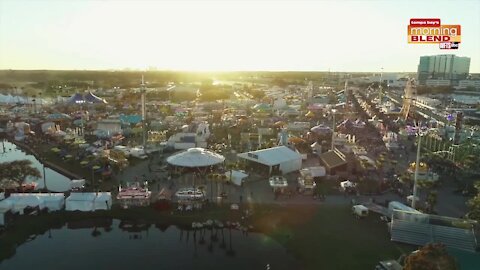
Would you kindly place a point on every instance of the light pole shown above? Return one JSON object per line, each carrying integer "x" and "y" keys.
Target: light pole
{"x": 333, "y": 129}
{"x": 44, "y": 177}
{"x": 417, "y": 164}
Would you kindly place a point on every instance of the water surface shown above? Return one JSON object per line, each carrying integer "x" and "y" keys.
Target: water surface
{"x": 55, "y": 181}
{"x": 151, "y": 247}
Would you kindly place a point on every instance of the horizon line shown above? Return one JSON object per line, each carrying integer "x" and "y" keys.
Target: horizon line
{"x": 207, "y": 71}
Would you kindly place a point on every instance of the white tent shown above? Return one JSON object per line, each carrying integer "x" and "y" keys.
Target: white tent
{"x": 80, "y": 202}
{"x": 2, "y": 195}
{"x": 53, "y": 201}
{"x": 195, "y": 157}
{"x": 285, "y": 158}
{"x": 236, "y": 177}
{"x": 22, "y": 202}
{"x": 103, "y": 201}
{"x": 5, "y": 206}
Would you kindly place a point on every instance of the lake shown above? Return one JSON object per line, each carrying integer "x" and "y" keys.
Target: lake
{"x": 120, "y": 245}
{"x": 55, "y": 181}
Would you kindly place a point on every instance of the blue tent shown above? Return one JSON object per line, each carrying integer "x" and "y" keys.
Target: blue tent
{"x": 130, "y": 119}
{"x": 91, "y": 98}
{"x": 76, "y": 99}
{"x": 87, "y": 98}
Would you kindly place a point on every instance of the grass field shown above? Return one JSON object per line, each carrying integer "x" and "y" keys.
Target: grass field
{"x": 320, "y": 237}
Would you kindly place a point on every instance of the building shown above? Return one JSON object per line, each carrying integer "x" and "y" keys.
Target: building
{"x": 434, "y": 82}
{"x": 277, "y": 159}
{"x": 443, "y": 67}
{"x": 463, "y": 84}
{"x": 334, "y": 161}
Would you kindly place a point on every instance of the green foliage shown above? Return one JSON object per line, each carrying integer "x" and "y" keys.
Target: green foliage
{"x": 474, "y": 203}
{"x": 214, "y": 93}
{"x": 17, "y": 171}
{"x": 431, "y": 257}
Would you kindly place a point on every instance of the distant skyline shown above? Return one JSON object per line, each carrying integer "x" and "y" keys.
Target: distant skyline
{"x": 340, "y": 36}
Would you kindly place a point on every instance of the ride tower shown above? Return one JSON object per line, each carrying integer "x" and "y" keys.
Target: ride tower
{"x": 409, "y": 100}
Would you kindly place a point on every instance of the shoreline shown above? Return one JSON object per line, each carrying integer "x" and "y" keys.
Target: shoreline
{"x": 47, "y": 163}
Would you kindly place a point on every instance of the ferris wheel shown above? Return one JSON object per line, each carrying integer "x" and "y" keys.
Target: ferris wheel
{"x": 409, "y": 99}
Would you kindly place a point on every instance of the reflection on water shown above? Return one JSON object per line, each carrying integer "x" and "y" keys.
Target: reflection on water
{"x": 114, "y": 244}
{"x": 55, "y": 182}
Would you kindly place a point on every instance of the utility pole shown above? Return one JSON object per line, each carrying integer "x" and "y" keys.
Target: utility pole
{"x": 144, "y": 116}
{"x": 44, "y": 177}
{"x": 333, "y": 129}
{"x": 380, "y": 87}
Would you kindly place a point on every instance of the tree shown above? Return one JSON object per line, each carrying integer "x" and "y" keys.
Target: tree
{"x": 17, "y": 171}
{"x": 474, "y": 203}
{"x": 433, "y": 256}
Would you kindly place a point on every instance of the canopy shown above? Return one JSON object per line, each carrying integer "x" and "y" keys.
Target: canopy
{"x": 195, "y": 157}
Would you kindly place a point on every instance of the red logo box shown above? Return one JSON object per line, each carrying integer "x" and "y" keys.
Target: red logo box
{"x": 427, "y": 22}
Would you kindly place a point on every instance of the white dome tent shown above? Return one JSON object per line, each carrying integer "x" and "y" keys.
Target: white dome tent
{"x": 195, "y": 157}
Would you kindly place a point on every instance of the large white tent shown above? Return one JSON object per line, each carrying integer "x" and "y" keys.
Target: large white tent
{"x": 195, "y": 157}
{"x": 103, "y": 201}
{"x": 51, "y": 201}
{"x": 285, "y": 158}
{"x": 80, "y": 202}
{"x": 22, "y": 202}
{"x": 5, "y": 206}
{"x": 88, "y": 201}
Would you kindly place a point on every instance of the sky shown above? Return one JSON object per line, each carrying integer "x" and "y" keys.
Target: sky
{"x": 343, "y": 36}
